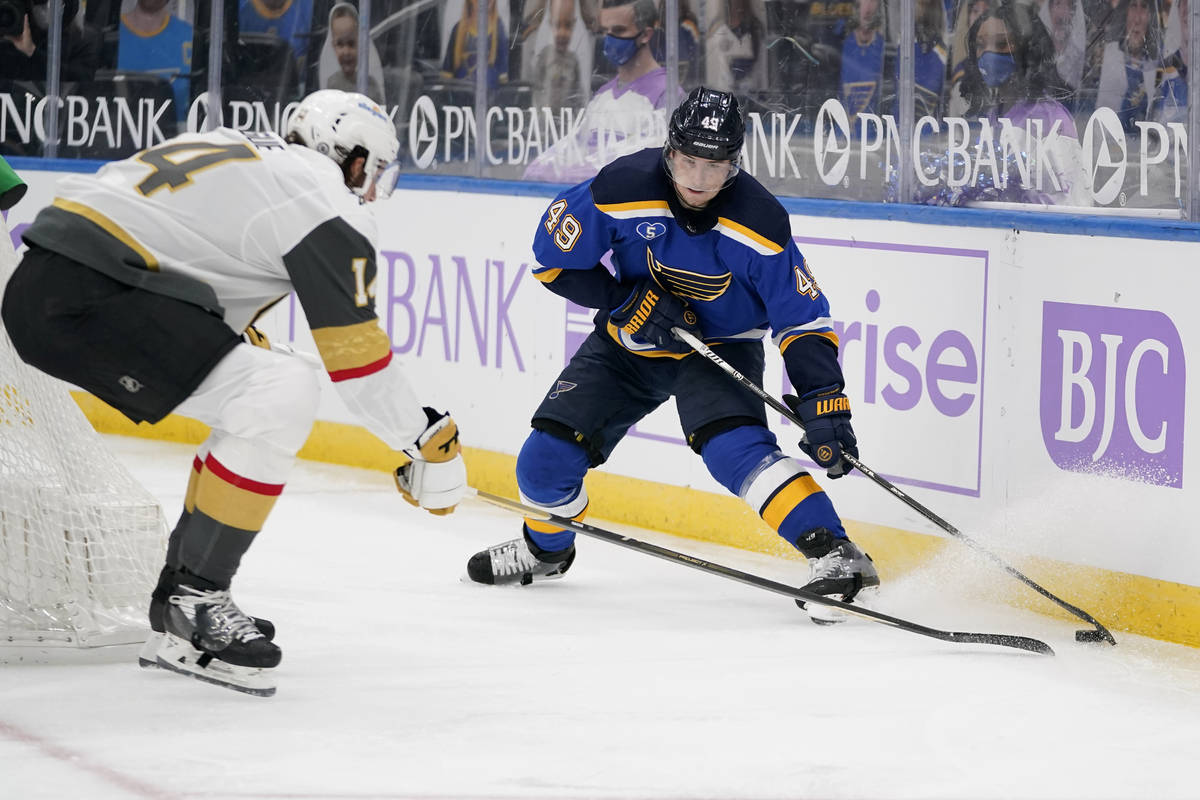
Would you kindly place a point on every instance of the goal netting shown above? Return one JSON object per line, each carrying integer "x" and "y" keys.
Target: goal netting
{"x": 81, "y": 541}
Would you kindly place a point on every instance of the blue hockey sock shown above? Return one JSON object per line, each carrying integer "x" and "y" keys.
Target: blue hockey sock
{"x": 550, "y": 475}
{"x": 747, "y": 461}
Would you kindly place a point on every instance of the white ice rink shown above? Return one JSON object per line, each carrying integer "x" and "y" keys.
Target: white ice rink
{"x": 631, "y": 678}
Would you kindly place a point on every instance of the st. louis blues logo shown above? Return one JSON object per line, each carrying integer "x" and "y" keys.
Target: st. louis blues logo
{"x": 562, "y": 386}
{"x": 651, "y": 230}
{"x": 685, "y": 283}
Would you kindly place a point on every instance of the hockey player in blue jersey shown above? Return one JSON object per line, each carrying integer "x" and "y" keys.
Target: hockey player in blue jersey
{"x": 699, "y": 245}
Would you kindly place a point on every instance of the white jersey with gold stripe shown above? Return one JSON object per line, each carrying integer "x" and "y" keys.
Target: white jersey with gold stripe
{"x": 234, "y": 222}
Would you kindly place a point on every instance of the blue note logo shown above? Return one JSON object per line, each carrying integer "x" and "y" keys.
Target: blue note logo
{"x": 651, "y": 230}
{"x": 562, "y": 386}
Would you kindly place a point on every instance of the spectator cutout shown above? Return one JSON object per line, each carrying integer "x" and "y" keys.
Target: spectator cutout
{"x": 286, "y": 19}
{"x": 154, "y": 40}
{"x": 627, "y": 113}
{"x": 462, "y": 51}
{"x": 557, "y": 74}
{"x": 1130, "y": 65}
{"x": 735, "y": 54}
{"x": 338, "y": 67}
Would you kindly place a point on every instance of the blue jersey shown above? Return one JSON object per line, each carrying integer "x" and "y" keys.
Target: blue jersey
{"x": 929, "y": 75}
{"x": 862, "y": 69}
{"x": 737, "y": 267}
{"x": 291, "y": 22}
{"x": 1135, "y": 103}
{"x": 167, "y": 52}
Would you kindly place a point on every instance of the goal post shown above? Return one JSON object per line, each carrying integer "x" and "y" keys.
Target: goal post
{"x": 81, "y": 541}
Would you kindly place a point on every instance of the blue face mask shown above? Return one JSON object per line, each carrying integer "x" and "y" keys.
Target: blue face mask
{"x": 619, "y": 50}
{"x": 996, "y": 68}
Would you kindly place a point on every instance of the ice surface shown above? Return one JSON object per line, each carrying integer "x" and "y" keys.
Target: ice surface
{"x": 631, "y": 678}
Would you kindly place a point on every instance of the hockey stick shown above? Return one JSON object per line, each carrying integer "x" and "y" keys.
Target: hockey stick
{"x": 1000, "y": 639}
{"x": 1098, "y": 634}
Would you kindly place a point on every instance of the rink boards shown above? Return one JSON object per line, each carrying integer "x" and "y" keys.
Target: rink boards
{"x": 1028, "y": 386}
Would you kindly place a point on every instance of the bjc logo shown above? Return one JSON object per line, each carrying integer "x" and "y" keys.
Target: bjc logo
{"x": 1112, "y": 395}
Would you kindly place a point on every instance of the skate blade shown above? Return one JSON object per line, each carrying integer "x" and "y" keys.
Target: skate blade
{"x": 148, "y": 655}
{"x": 511, "y": 582}
{"x": 176, "y": 655}
{"x": 828, "y": 615}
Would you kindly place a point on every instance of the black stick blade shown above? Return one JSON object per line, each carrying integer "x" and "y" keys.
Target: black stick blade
{"x": 1005, "y": 640}
{"x": 587, "y": 529}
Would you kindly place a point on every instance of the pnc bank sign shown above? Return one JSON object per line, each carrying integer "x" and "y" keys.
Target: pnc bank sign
{"x": 979, "y": 147}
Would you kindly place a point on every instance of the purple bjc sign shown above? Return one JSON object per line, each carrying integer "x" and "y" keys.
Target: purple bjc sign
{"x": 1112, "y": 394}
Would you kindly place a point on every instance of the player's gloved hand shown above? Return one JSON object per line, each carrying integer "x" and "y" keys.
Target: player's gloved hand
{"x": 650, "y": 313}
{"x": 436, "y": 478}
{"x": 827, "y": 431}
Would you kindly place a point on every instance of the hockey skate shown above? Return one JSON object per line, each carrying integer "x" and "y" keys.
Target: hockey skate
{"x": 209, "y": 638}
{"x": 518, "y": 562}
{"x": 843, "y": 573}
{"x": 148, "y": 655}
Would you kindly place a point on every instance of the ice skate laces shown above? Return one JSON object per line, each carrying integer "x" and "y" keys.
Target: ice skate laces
{"x": 844, "y": 570}
{"x": 223, "y": 620}
{"x": 512, "y": 557}
{"x": 837, "y": 563}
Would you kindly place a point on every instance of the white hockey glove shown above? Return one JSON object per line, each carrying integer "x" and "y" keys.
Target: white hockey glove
{"x": 436, "y": 478}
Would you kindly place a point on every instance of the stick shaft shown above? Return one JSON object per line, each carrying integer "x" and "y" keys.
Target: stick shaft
{"x": 706, "y": 351}
{"x": 587, "y": 529}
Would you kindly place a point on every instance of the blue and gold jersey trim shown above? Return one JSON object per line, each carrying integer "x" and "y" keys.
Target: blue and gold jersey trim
{"x": 740, "y": 233}
{"x": 634, "y": 210}
{"x": 821, "y": 326}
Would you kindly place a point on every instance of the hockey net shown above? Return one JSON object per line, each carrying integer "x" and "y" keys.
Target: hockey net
{"x": 80, "y": 540}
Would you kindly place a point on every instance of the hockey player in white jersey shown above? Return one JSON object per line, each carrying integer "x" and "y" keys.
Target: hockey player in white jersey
{"x": 138, "y": 285}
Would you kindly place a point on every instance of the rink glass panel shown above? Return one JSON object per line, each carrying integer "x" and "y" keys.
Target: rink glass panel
{"x": 1100, "y": 120}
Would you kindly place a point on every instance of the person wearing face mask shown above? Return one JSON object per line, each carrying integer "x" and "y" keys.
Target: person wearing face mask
{"x": 628, "y": 112}
{"x": 23, "y": 56}
{"x": 1010, "y": 77}
{"x": 700, "y": 245}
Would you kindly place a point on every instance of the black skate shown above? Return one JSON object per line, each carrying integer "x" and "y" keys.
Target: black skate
{"x": 518, "y": 562}
{"x": 844, "y": 572}
{"x": 208, "y": 637}
{"x": 148, "y": 655}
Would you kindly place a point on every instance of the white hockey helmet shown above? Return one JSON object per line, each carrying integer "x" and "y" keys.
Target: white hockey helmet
{"x": 342, "y": 125}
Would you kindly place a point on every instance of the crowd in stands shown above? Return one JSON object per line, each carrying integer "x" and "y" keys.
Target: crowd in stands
{"x": 606, "y": 59}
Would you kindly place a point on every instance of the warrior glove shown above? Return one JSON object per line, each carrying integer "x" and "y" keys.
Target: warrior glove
{"x": 649, "y": 314}
{"x": 827, "y": 431}
{"x": 436, "y": 478}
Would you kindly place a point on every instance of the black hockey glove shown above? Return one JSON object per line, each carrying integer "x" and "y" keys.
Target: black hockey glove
{"x": 827, "y": 431}
{"x": 649, "y": 314}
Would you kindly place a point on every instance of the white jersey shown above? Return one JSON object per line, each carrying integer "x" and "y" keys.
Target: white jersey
{"x": 233, "y": 223}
